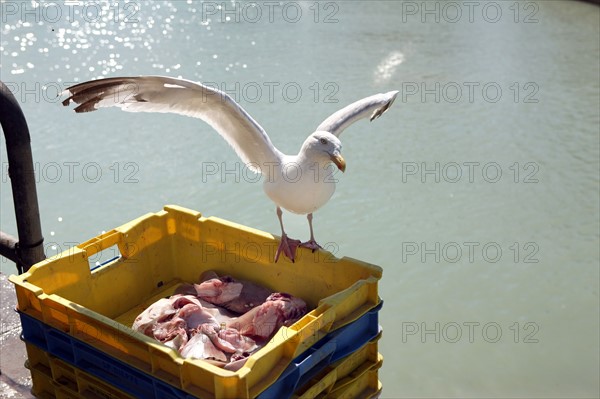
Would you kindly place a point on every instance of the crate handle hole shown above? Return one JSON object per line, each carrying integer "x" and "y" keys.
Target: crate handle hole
{"x": 104, "y": 257}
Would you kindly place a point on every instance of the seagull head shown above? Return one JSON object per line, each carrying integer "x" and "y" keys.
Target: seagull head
{"x": 324, "y": 148}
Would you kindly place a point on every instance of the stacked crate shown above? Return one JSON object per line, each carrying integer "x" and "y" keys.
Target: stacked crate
{"x": 76, "y": 316}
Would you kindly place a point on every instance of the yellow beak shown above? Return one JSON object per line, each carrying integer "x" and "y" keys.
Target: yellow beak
{"x": 339, "y": 161}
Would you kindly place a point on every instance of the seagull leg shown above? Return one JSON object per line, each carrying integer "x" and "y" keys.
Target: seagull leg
{"x": 287, "y": 245}
{"x": 311, "y": 244}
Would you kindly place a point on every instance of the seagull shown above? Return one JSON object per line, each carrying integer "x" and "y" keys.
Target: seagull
{"x": 300, "y": 183}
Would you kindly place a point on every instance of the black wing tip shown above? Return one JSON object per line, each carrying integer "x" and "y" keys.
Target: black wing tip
{"x": 85, "y": 106}
{"x": 381, "y": 110}
{"x": 89, "y": 94}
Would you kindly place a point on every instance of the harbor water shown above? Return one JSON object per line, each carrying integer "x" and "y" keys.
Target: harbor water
{"x": 477, "y": 192}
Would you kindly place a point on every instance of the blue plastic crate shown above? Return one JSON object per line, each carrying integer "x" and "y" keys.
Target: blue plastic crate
{"x": 328, "y": 350}
{"x": 134, "y": 381}
{"x": 95, "y": 362}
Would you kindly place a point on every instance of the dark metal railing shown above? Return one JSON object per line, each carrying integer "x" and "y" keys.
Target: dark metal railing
{"x": 28, "y": 249}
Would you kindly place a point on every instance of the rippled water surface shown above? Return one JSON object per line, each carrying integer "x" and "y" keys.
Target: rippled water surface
{"x": 477, "y": 192}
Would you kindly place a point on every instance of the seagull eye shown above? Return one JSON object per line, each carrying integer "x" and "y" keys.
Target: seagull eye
{"x": 323, "y": 141}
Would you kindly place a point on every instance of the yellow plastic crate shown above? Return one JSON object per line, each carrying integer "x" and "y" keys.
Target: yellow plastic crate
{"x": 362, "y": 382}
{"x": 343, "y": 373}
{"x": 53, "y": 378}
{"x": 161, "y": 250}
{"x": 365, "y": 386}
{"x": 42, "y": 386}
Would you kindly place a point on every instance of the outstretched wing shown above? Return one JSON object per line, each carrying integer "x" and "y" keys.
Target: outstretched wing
{"x": 184, "y": 97}
{"x": 371, "y": 107}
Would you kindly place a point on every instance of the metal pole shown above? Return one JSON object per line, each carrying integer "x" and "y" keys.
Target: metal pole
{"x": 29, "y": 249}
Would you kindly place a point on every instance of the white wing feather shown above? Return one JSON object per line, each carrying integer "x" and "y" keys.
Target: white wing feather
{"x": 371, "y": 107}
{"x": 184, "y": 97}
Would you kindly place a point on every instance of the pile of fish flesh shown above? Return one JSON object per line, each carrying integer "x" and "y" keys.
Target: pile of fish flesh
{"x": 221, "y": 319}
